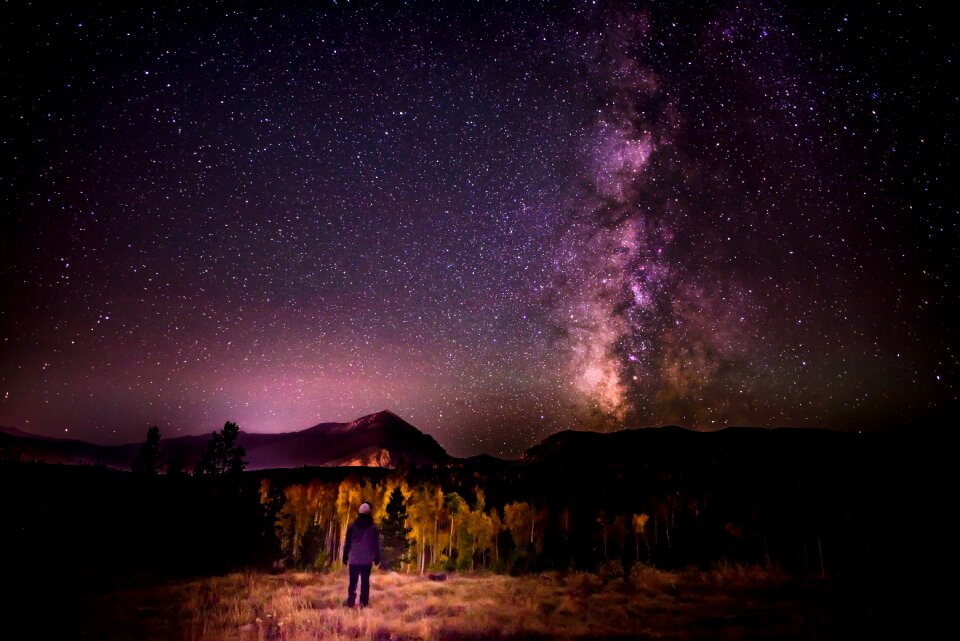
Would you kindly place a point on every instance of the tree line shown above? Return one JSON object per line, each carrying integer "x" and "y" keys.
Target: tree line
{"x": 222, "y": 454}
{"x": 822, "y": 515}
{"x": 824, "y": 519}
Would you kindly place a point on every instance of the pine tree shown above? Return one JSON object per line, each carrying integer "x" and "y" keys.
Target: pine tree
{"x": 176, "y": 465}
{"x": 394, "y": 533}
{"x": 147, "y": 459}
{"x": 233, "y": 453}
{"x": 207, "y": 465}
{"x": 223, "y": 453}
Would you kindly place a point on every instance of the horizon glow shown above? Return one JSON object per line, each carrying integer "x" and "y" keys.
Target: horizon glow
{"x": 496, "y": 221}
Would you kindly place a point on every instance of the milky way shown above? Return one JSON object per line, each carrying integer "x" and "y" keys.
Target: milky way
{"x": 497, "y": 221}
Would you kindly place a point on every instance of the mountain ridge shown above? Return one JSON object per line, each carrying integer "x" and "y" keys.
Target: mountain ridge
{"x": 382, "y": 439}
{"x": 669, "y": 443}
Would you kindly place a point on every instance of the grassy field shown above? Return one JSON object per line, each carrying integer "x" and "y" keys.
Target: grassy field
{"x": 732, "y": 603}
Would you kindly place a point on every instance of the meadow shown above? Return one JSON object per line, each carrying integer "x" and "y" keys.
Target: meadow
{"x": 731, "y": 602}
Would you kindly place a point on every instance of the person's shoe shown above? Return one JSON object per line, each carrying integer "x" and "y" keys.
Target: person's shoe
{"x": 347, "y": 603}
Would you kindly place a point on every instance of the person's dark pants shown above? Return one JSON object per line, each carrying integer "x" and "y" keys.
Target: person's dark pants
{"x": 361, "y": 572}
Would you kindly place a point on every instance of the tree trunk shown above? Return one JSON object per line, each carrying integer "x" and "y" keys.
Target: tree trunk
{"x": 823, "y": 569}
{"x": 450, "y": 543}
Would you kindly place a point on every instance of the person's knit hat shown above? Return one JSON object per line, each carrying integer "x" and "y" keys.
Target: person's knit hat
{"x": 364, "y": 508}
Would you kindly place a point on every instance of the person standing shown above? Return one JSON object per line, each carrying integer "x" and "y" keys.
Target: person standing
{"x": 360, "y": 552}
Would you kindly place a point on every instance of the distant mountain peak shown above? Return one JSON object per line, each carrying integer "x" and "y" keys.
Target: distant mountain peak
{"x": 382, "y": 415}
{"x": 382, "y": 439}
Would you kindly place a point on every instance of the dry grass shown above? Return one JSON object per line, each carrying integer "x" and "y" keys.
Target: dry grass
{"x": 733, "y": 603}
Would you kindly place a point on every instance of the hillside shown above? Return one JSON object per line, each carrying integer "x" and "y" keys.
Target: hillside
{"x": 378, "y": 440}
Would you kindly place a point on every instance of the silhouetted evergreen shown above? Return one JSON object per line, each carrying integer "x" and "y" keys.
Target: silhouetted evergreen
{"x": 395, "y": 535}
{"x": 147, "y": 459}
{"x": 223, "y": 454}
{"x": 176, "y": 465}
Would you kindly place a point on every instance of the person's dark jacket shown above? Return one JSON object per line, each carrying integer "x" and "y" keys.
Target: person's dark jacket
{"x": 362, "y": 546}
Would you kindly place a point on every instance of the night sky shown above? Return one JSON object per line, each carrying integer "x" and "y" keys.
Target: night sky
{"x": 496, "y": 219}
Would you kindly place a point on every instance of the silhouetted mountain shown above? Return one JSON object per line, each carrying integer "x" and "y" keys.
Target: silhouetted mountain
{"x": 378, "y": 440}
{"x": 671, "y": 444}
{"x": 486, "y": 461}
{"x": 15, "y": 432}
{"x": 385, "y": 440}
{"x": 19, "y": 445}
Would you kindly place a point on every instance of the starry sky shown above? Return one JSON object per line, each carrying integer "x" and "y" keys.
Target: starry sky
{"x": 496, "y": 219}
